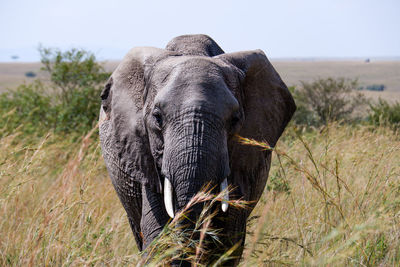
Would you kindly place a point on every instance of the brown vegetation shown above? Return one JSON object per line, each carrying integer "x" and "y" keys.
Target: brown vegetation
{"x": 340, "y": 204}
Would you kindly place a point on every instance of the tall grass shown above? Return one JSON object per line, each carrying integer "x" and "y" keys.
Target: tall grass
{"x": 343, "y": 206}
{"x": 58, "y": 207}
{"x": 340, "y": 204}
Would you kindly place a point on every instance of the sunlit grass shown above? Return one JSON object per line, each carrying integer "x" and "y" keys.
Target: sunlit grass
{"x": 58, "y": 206}
{"x": 343, "y": 202}
{"x": 333, "y": 198}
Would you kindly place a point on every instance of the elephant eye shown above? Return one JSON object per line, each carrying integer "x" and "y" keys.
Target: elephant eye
{"x": 235, "y": 123}
{"x": 158, "y": 118}
{"x": 106, "y": 95}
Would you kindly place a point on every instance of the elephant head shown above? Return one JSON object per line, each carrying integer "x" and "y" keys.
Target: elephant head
{"x": 167, "y": 125}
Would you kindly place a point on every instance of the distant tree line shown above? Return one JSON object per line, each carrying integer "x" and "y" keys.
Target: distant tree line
{"x": 374, "y": 87}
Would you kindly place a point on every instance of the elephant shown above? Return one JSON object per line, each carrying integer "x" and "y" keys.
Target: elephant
{"x": 168, "y": 122}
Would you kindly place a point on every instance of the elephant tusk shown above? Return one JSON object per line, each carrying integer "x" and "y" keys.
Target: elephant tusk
{"x": 224, "y": 186}
{"x": 168, "y": 198}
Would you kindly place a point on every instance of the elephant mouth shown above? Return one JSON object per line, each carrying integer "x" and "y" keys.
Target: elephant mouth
{"x": 168, "y": 196}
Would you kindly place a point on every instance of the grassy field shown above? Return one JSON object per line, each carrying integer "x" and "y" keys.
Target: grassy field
{"x": 333, "y": 199}
{"x": 292, "y": 72}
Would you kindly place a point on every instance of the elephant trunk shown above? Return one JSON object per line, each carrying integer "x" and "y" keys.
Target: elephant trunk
{"x": 195, "y": 155}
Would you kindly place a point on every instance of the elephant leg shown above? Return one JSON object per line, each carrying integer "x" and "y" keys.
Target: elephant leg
{"x": 154, "y": 216}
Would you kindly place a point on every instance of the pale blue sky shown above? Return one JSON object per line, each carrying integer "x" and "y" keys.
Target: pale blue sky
{"x": 283, "y": 29}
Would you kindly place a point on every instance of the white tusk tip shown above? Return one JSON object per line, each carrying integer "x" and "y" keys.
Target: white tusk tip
{"x": 169, "y": 206}
{"x": 224, "y": 188}
{"x": 224, "y": 206}
{"x": 171, "y": 214}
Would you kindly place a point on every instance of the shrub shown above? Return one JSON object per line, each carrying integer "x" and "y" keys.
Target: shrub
{"x": 382, "y": 113}
{"x": 72, "y": 70}
{"x": 80, "y": 114}
{"x": 76, "y": 80}
{"x": 326, "y": 100}
{"x": 278, "y": 184}
{"x": 28, "y": 108}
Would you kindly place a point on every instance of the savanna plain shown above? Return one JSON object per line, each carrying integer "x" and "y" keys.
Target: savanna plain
{"x": 332, "y": 198}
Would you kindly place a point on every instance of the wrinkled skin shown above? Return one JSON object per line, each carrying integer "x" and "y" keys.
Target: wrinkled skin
{"x": 173, "y": 113}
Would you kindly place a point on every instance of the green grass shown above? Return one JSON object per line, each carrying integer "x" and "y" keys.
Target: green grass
{"x": 333, "y": 200}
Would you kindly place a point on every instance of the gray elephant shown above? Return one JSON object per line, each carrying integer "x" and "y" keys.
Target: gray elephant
{"x": 167, "y": 124}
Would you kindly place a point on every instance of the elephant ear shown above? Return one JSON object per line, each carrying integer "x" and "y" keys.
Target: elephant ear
{"x": 123, "y": 135}
{"x": 195, "y": 45}
{"x": 268, "y": 107}
{"x": 267, "y": 103}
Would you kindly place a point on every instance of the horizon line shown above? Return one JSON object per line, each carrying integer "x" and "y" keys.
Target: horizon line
{"x": 281, "y": 59}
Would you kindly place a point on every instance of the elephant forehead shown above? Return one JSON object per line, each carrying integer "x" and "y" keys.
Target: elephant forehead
{"x": 186, "y": 69}
{"x": 192, "y": 82}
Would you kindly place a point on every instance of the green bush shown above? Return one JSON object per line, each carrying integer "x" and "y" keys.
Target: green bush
{"x": 81, "y": 113}
{"x": 27, "y": 108}
{"x": 382, "y": 113}
{"x": 278, "y": 184}
{"x": 302, "y": 116}
{"x": 326, "y": 100}
{"x": 72, "y": 70}
{"x": 69, "y": 103}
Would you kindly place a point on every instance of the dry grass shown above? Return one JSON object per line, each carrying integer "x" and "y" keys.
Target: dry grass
{"x": 58, "y": 207}
{"x": 340, "y": 205}
{"x": 343, "y": 205}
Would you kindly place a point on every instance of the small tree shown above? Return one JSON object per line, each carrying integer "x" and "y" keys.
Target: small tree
{"x": 77, "y": 79}
{"x": 72, "y": 70}
{"x": 327, "y": 100}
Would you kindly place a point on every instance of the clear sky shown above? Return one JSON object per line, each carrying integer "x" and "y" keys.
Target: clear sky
{"x": 283, "y": 29}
